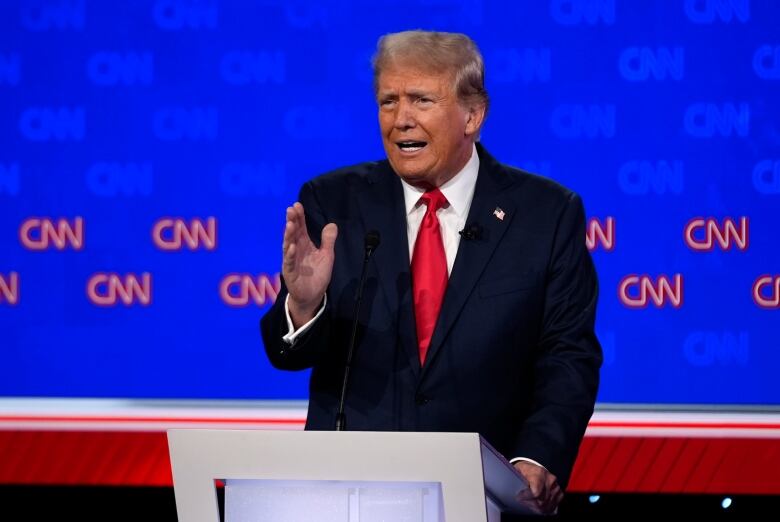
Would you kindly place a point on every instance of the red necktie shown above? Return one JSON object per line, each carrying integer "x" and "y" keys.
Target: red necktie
{"x": 429, "y": 271}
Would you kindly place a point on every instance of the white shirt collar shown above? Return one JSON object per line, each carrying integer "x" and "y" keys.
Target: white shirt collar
{"x": 459, "y": 190}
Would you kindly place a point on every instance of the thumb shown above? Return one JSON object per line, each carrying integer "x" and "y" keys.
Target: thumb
{"x": 329, "y": 234}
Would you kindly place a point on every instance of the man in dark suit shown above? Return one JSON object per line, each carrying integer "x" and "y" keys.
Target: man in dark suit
{"x": 479, "y": 306}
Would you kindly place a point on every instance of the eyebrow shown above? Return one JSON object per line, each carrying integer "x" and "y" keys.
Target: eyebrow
{"x": 412, "y": 93}
{"x": 419, "y": 93}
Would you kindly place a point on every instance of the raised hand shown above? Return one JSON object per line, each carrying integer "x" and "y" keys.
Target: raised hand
{"x": 306, "y": 268}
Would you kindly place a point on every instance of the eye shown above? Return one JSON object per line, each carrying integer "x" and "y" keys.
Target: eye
{"x": 386, "y": 102}
{"x": 424, "y": 100}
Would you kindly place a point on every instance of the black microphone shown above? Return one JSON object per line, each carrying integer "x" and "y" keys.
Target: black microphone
{"x": 471, "y": 232}
{"x": 371, "y": 242}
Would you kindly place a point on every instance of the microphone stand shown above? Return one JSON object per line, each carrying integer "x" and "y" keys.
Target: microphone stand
{"x": 371, "y": 242}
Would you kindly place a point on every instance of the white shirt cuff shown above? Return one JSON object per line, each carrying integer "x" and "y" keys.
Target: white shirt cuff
{"x": 525, "y": 459}
{"x": 292, "y": 334}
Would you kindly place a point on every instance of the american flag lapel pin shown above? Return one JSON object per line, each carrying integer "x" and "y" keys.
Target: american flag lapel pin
{"x": 499, "y": 214}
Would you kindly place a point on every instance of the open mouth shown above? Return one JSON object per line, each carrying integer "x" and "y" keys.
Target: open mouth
{"x": 411, "y": 146}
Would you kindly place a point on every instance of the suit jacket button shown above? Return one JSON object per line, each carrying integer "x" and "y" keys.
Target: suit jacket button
{"x": 422, "y": 399}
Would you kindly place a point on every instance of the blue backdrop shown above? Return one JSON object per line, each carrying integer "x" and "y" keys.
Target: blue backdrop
{"x": 126, "y": 126}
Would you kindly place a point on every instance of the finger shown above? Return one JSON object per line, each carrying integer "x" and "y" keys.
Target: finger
{"x": 295, "y": 214}
{"x": 288, "y": 261}
{"x": 547, "y": 506}
{"x": 329, "y": 234}
{"x": 549, "y": 490}
{"x": 297, "y": 219}
{"x": 300, "y": 217}
{"x": 526, "y": 499}
{"x": 289, "y": 236}
{"x": 526, "y": 494}
{"x": 553, "y": 489}
{"x": 550, "y": 504}
{"x": 291, "y": 216}
{"x": 558, "y": 499}
{"x": 538, "y": 487}
{"x": 551, "y": 507}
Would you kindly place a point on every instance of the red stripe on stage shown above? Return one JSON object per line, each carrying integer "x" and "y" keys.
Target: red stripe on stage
{"x": 302, "y": 421}
{"x": 166, "y": 420}
{"x": 677, "y": 465}
{"x": 709, "y": 464}
{"x": 645, "y": 457}
{"x": 85, "y": 458}
{"x": 605, "y": 464}
{"x": 689, "y": 459}
{"x": 704, "y": 425}
{"x": 595, "y": 452}
{"x": 621, "y": 459}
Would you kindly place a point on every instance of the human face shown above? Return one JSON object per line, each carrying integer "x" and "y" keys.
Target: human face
{"x": 427, "y": 133}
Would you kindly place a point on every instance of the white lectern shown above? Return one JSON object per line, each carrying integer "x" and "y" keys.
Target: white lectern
{"x": 293, "y": 476}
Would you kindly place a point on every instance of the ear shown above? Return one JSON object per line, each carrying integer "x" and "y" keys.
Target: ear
{"x": 475, "y": 115}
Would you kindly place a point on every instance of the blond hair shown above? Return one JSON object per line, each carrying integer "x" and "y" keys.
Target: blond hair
{"x": 450, "y": 53}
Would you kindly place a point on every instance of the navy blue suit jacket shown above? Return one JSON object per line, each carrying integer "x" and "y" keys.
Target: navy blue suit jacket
{"x": 513, "y": 355}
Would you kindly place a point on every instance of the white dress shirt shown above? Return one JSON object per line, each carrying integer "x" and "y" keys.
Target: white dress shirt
{"x": 459, "y": 192}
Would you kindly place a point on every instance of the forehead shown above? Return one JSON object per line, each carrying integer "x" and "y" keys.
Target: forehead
{"x": 410, "y": 78}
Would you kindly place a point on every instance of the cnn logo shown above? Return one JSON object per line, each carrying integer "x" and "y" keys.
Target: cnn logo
{"x": 638, "y": 291}
{"x": 600, "y": 234}
{"x": 171, "y": 234}
{"x": 44, "y": 233}
{"x": 702, "y": 234}
{"x": 244, "y": 289}
{"x": 110, "y": 289}
{"x": 9, "y": 288}
{"x": 766, "y": 292}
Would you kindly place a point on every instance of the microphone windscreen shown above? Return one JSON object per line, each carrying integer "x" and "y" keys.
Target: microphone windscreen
{"x": 372, "y": 240}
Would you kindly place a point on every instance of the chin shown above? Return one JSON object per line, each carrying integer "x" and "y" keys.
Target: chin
{"x": 409, "y": 170}
{"x": 410, "y": 175}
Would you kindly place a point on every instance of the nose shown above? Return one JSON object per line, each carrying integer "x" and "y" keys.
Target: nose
{"x": 404, "y": 116}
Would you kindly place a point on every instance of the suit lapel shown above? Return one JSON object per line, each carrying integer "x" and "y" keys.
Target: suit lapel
{"x": 382, "y": 208}
{"x": 474, "y": 254}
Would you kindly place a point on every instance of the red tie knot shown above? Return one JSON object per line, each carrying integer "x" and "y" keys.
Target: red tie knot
{"x": 434, "y": 199}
